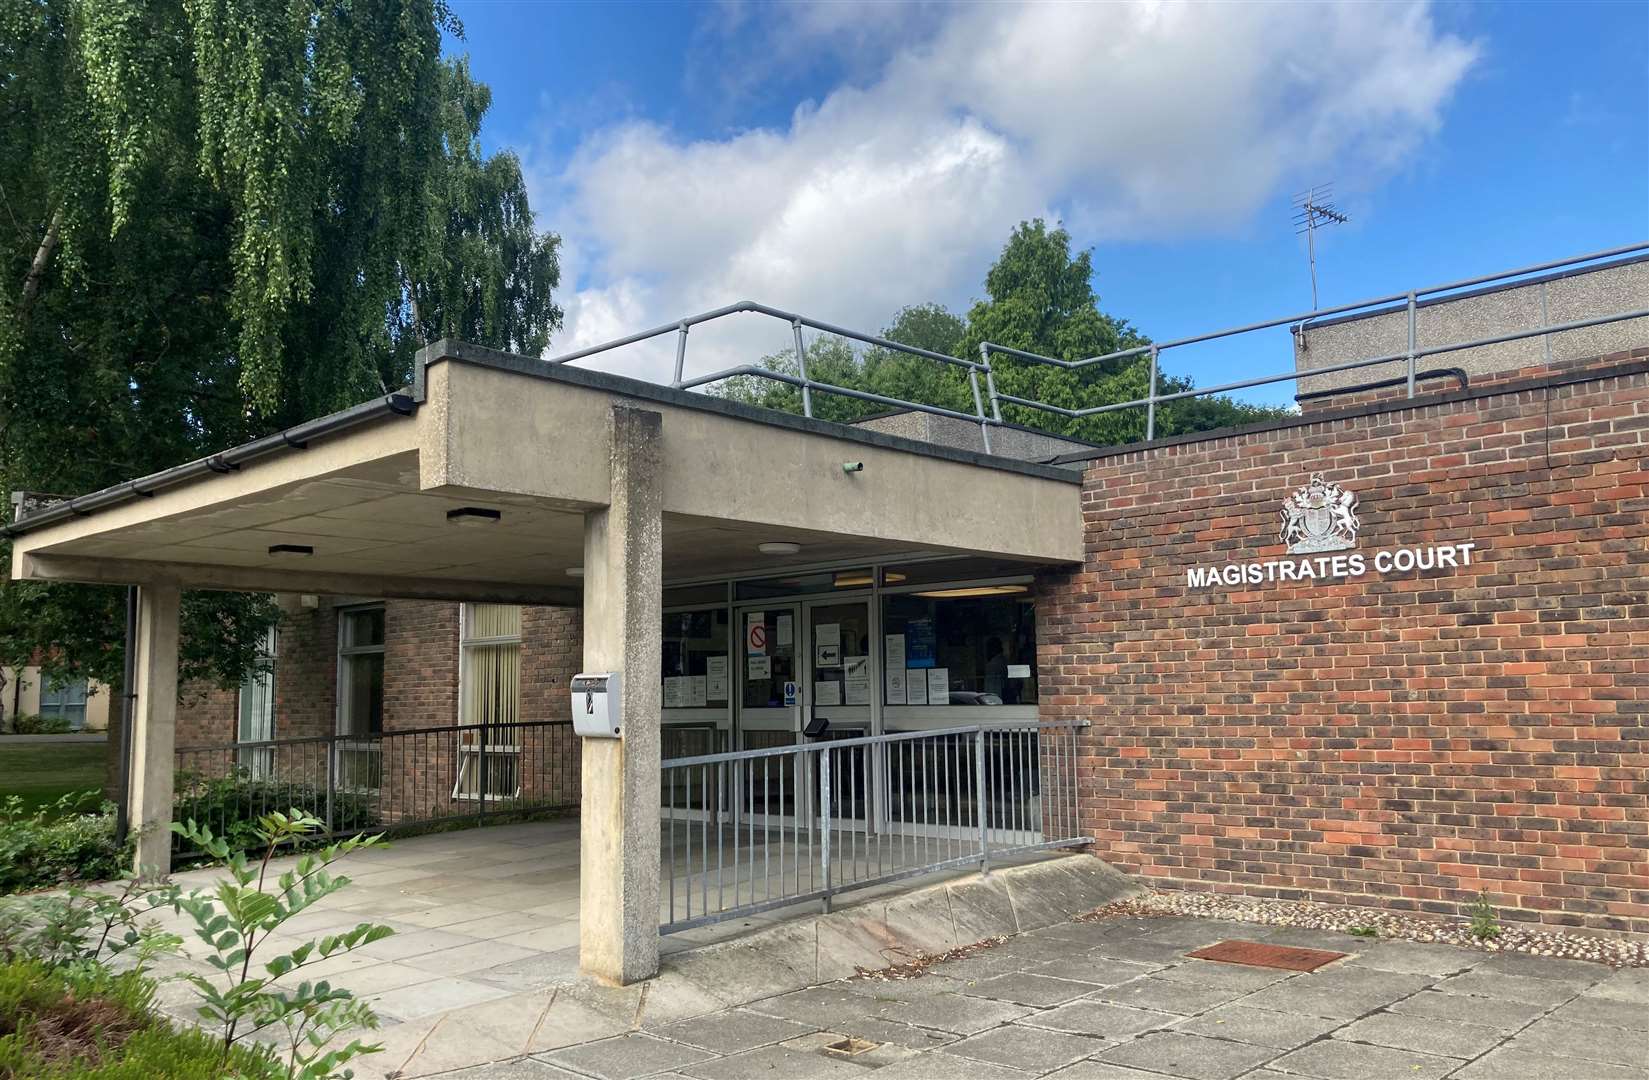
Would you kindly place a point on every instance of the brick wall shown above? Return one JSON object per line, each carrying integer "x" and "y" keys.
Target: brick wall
{"x": 1405, "y": 740}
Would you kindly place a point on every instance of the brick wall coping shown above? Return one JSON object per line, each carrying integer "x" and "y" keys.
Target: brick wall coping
{"x": 1635, "y": 362}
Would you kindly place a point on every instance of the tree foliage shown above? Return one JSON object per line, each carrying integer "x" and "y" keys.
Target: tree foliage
{"x": 1039, "y": 297}
{"x": 218, "y": 218}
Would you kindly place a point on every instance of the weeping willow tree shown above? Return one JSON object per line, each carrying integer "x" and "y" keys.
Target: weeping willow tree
{"x": 217, "y": 218}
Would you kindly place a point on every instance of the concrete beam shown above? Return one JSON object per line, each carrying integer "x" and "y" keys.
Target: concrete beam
{"x": 623, "y": 630}
{"x": 154, "y": 730}
{"x": 96, "y": 571}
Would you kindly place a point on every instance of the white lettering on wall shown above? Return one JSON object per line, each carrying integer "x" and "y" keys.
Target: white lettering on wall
{"x": 1333, "y": 567}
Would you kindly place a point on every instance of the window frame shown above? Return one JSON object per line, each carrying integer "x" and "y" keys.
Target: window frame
{"x": 64, "y": 695}
{"x": 468, "y": 752}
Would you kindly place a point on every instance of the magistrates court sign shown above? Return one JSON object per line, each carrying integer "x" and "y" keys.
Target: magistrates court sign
{"x": 1318, "y": 518}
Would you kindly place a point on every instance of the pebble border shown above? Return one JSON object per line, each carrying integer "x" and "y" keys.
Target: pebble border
{"x": 1386, "y": 925}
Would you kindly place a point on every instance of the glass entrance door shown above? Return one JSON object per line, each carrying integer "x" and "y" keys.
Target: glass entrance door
{"x": 768, "y": 655}
{"x": 841, "y": 679}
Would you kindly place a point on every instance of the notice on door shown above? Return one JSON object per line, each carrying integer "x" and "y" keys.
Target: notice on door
{"x": 755, "y": 634}
{"x": 893, "y": 663}
{"x": 938, "y": 686}
{"x": 856, "y": 680}
{"x": 785, "y": 634}
{"x": 827, "y": 693}
{"x": 827, "y": 645}
{"x": 715, "y": 678}
{"x": 761, "y": 668}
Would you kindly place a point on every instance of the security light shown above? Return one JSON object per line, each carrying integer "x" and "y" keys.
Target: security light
{"x": 290, "y": 551}
{"x": 575, "y": 571}
{"x": 474, "y": 515}
{"x": 775, "y": 547}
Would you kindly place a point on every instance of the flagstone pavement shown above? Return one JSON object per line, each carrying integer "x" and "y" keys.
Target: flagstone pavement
{"x": 1120, "y": 1000}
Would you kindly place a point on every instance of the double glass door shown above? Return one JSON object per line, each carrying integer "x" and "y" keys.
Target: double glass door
{"x": 808, "y": 666}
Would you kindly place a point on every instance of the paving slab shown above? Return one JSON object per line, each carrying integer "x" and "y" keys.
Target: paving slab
{"x": 733, "y": 1031}
{"x": 1100, "y": 1019}
{"x": 1577, "y": 973}
{"x": 1190, "y": 1056}
{"x": 828, "y": 1006}
{"x": 625, "y": 1056}
{"x": 1336, "y": 1059}
{"x": 1103, "y": 1070}
{"x": 1506, "y": 1016}
{"x": 1092, "y": 968}
{"x": 1260, "y": 1027}
{"x": 887, "y": 1032}
{"x": 774, "y": 1061}
{"x": 1031, "y": 1049}
{"x": 1506, "y": 1064}
{"x": 1552, "y": 1037}
{"x": 955, "y": 1013}
{"x": 1030, "y": 988}
{"x": 1163, "y": 995}
{"x": 1630, "y": 984}
{"x": 1429, "y": 1035}
{"x": 1495, "y": 984}
{"x": 519, "y": 1069}
{"x": 1606, "y": 1011}
{"x": 1415, "y": 958}
{"x": 1304, "y": 998}
{"x": 1224, "y": 976}
{"x": 1140, "y": 949}
{"x": 435, "y": 997}
{"x": 939, "y": 1065}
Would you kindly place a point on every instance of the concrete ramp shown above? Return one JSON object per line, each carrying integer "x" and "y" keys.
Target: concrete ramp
{"x": 884, "y": 930}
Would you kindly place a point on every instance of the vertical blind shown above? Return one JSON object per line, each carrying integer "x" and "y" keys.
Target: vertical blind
{"x": 492, "y": 665}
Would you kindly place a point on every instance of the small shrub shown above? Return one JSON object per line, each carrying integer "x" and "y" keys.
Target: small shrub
{"x": 1485, "y": 924}
{"x": 84, "y": 926}
{"x": 1363, "y": 932}
{"x": 240, "y": 916}
{"x": 30, "y": 724}
{"x": 58, "y": 844}
{"x": 232, "y": 806}
{"x": 87, "y": 1023}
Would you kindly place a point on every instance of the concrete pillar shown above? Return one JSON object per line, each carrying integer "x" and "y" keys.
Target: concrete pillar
{"x": 154, "y": 730}
{"x": 623, "y": 630}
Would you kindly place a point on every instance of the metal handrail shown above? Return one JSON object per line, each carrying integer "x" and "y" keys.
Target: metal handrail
{"x": 987, "y": 419}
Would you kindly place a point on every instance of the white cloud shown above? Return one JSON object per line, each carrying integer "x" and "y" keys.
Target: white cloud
{"x": 1127, "y": 120}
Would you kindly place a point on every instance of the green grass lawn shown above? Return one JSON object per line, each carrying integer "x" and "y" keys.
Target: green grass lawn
{"x": 43, "y": 772}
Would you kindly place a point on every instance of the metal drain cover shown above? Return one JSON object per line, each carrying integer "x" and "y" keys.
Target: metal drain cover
{"x": 1260, "y": 954}
{"x": 850, "y": 1047}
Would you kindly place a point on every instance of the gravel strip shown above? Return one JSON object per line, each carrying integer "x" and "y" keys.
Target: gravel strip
{"x": 1377, "y": 924}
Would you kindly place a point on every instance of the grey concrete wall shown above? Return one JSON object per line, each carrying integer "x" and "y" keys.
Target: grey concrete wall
{"x": 1557, "y": 299}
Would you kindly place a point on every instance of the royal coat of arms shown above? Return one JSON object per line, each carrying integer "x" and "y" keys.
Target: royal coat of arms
{"x": 1319, "y": 517}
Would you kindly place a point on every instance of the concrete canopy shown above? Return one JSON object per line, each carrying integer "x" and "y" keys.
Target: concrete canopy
{"x": 528, "y": 439}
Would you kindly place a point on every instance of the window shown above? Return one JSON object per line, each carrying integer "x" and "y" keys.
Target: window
{"x": 490, "y": 703}
{"x": 966, "y": 644}
{"x": 694, "y": 662}
{"x": 256, "y": 722}
{"x": 360, "y": 697}
{"x": 66, "y": 702}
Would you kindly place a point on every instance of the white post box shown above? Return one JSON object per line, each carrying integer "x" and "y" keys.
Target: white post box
{"x": 596, "y": 704}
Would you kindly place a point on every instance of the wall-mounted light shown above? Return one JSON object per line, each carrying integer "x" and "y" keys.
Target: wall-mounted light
{"x": 474, "y": 515}
{"x": 290, "y": 551}
{"x": 575, "y": 571}
{"x": 853, "y": 466}
{"x": 777, "y": 547}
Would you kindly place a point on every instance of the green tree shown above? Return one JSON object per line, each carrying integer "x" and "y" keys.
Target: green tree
{"x": 217, "y": 219}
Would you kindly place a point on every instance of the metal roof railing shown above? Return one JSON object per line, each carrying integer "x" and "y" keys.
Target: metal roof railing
{"x": 992, "y": 417}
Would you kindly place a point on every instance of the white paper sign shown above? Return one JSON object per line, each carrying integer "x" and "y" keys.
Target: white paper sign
{"x": 715, "y": 678}
{"x": 755, "y": 634}
{"x": 696, "y": 692}
{"x": 761, "y": 668}
{"x": 785, "y": 633}
{"x": 938, "y": 686}
{"x": 828, "y": 656}
{"x": 856, "y": 680}
{"x": 827, "y": 693}
{"x": 1019, "y": 671}
{"x": 829, "y": 633}
{"x": 916, "y": 686}
{"x": 894, "y": 665}
{"x": 672, "y": 692}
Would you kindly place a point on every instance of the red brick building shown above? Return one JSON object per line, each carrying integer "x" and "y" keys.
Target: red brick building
{"x": 1407, "y": 736}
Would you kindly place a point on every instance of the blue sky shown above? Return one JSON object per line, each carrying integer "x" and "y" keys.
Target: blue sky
{"x": 850, "y": 158}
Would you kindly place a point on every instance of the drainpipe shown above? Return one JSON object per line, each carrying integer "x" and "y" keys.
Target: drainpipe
{"x": 128, "y": 696}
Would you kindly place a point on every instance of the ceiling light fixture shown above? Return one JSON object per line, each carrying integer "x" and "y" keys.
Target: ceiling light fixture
{"x": 974, "y": 590}
{"x": 290, "y": 551}
{"x": 474, "y": 515}
{"x": 776, "y": 547}
{"x": 847, "y": 579}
